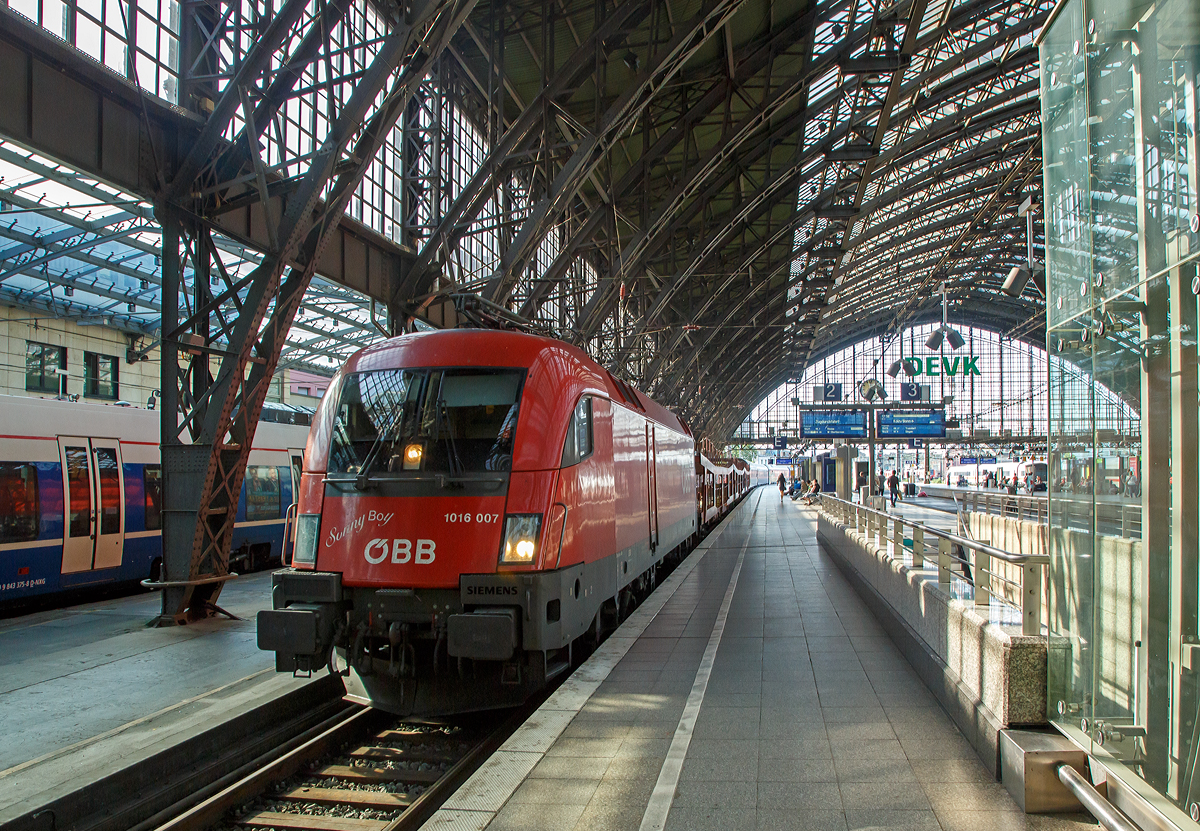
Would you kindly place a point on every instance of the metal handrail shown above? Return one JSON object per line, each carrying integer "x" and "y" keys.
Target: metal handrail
{"x": 874, "y": 522}
{"x": 983, "y": 548}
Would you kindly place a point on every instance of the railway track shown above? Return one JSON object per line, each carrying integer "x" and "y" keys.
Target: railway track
{"x": 362, "y": 770}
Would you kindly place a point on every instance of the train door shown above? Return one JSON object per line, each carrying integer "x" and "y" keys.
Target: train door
{"x": 652, "y": 484}
{"x": 94, "y": 503}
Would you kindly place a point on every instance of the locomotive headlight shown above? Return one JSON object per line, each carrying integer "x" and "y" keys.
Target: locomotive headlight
{"x": 308, "y": 531}
{"x": 520, "y": 538}
{"x": 412, "y": 456}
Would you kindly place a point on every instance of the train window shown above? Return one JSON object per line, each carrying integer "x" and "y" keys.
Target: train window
{"x": 79, "y": 492}
{"x": 580, "y": 437}
{"x": 152, "y": 488}
{"x": 20, "y": 507}
{"x": 110, "y": 490}
{"x": 262, "y": 493}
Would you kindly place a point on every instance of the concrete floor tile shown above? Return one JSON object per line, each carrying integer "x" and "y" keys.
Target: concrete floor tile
{"x": 1061, "y": 822}
{"x": 617, "y": 805}
{"x": 881, "y": 818}
{"x": 556, "y": 791}
{"x": 774, "y": 820}
{"x": 982, "y": 821}
{"x": 900, "y": 796}
{"x": 796, "y": 749}
{"x": 585, "y": 747}
{"x": 874, "y": 749}
{"x": 969, "y": 796}
{"x": 710, "y": 769}
{"x": 640, "y": 769}
{"x": 866, "y": 769}
{"x": 776, "y": 769}
{"x": 934, "y": 771}
{"x": 863, "y": 731}
{"x": 799, "y": 797}
{"x": 946, "y": 747}
{"x": 525, "y": 816}
{"x": 715, "y": 795}
{"x": 589, "y": 729}
{"x": 570, "y": 767}
{"x": 701, "y": 748}
{"x": 710, "y": 819}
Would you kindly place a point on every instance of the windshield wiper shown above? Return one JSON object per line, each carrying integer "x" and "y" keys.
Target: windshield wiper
{"x": 362, "y": 478}
{"x": 456, "y": 465}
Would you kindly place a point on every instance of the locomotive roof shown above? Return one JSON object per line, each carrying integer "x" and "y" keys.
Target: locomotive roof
{"x": 492, "y": 348}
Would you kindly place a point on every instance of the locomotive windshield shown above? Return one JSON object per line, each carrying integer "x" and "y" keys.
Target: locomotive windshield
{"x": 406, "y": 421}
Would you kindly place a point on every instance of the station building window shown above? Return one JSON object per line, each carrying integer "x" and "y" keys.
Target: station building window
{"x": 99, "y": 376}
{"x": 42, "y": 363}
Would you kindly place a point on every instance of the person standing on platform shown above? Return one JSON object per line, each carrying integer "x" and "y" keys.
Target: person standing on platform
{"x": 782, "y": 482}
{"x": 893, "y": 484}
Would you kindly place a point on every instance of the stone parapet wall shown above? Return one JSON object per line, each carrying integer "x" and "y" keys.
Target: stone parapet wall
{"x": 988, "y": 677}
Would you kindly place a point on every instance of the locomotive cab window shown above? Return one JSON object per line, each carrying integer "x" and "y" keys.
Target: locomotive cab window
{"x": 580, "y": 438}
{"x": 398, "y": 422}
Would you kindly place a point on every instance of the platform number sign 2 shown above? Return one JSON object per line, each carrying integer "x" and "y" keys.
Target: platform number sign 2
{"x": 832, "y": 392}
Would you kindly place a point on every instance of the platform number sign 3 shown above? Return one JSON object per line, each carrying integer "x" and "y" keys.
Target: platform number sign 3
{"x": 910, "y": 392}
{"x": 832, "y": 392}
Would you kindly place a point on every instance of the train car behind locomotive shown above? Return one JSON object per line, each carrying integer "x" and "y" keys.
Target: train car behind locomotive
{"x": 472, "y": 502}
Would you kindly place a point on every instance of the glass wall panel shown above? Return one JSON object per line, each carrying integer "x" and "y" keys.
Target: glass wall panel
{"x": 1119, "y": 137}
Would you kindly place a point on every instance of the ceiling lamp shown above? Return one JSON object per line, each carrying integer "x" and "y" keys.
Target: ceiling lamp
{"x": 894, "y": 369}
{"x": 934, "y": 341}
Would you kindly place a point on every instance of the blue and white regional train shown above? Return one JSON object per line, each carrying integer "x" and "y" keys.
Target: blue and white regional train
{"x": 80, "y": 496}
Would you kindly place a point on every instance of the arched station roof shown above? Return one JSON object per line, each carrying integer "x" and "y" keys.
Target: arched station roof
{"x": 708, "y": 195}
{"x": 752, "y": 185}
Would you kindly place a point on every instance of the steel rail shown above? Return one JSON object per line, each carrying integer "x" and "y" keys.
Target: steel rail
{"x": 255, "y": 776}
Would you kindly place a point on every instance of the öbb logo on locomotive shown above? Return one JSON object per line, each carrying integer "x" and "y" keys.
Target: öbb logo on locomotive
{"x": 401, "y": 551}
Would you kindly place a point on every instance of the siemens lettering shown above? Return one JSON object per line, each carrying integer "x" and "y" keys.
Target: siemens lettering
{"x": 401, "y": 551}
{"x": 934, "y": 367}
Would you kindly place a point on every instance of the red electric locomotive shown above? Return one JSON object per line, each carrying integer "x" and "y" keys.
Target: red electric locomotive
{"x": 472, "y": 502}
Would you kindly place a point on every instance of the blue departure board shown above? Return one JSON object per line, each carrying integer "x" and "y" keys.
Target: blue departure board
{"x": 833, "y": 424}
{"x": 910, "y": 424}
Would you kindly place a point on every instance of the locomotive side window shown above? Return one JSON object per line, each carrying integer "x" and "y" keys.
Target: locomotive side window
{"x": 580, "y": 439}
{"x": 152, "y": 490}
{"x": 435, "y": 420}
{"x": 20, "y": 507}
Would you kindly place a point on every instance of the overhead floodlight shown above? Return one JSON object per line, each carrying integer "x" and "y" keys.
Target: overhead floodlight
{"x": 909, "y": 369}
{"x": 934, "y": 341}
{"x": 1014, "y": 283}
{"x": 894, "y": 369}
{"x": 956, "y": 340}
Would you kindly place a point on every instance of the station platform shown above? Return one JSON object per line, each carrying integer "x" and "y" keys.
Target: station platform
{"x": 88, "y": 689}
{"x": 753, "y": 690}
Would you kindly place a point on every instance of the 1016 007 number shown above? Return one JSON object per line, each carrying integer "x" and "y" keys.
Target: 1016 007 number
{"x": 473, "y": 518}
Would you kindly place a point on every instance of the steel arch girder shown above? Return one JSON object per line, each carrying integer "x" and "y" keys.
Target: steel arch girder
{"x": 226, "y": 416}
{"x": 487, "y": 177}
{"x": 714, "y": 15}
{"x": 588, "y": 327}
{"x": 662, "y": 147}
